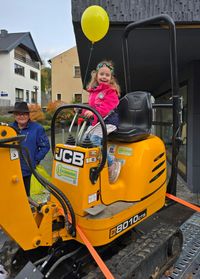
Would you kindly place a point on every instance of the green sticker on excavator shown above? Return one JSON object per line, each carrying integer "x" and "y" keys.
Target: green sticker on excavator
{"x": 122, "y": 150}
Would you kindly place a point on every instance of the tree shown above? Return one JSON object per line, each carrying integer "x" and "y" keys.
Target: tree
{"x": 45, "y": 86}
{"x": 36, "y": 112}
{"x": 45, "y": 79}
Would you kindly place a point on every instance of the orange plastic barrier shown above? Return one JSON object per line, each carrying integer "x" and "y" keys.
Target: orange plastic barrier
{"x": 172, "y": 197}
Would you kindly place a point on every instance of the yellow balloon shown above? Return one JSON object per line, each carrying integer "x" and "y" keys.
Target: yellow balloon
{"x": 95, "y": 23}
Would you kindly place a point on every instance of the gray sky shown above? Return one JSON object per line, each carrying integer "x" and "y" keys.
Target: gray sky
{"x": 48, "y": 21}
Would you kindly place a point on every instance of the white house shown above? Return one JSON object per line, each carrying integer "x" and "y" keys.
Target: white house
{"x": 20, "y": 66}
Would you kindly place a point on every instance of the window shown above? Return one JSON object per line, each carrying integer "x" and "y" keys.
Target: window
{"x": 19, "y": 70}
{"x": 23, "y": 56}
{"x": 34, "y": 97}
{"x": 33, "y": 75}
{"x": 58, "y": 97}
{"x": 19, "y": 95}
{"x": 78, "y": 98}
{"x": 27, "y": 96}
{"x": 77, "y": 72}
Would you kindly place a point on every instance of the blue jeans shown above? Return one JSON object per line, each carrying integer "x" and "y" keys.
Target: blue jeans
{"x": 97, "y": 141}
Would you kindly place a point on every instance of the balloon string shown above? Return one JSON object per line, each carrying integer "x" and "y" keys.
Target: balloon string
{"x": 87, "y": 68}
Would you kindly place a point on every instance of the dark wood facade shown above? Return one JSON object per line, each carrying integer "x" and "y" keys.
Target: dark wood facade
{"x": 149, "y": 56}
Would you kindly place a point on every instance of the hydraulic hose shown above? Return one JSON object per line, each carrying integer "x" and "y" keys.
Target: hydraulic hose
{"x": 54, "y": 191}
{"x": 65, "y": 203}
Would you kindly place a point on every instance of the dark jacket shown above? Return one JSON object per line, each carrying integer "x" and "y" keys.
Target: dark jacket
{"x": 37, "y": 143}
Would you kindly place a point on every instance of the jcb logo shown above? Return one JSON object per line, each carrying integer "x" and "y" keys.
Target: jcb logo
{"x": 70, "y": 157}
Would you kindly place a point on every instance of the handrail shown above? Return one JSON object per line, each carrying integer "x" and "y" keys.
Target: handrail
{"x": 177, "y": 103}
{"x": 94, "y": 172}
{"x": 173, "y": 53}
{"x": 155, "y": 105}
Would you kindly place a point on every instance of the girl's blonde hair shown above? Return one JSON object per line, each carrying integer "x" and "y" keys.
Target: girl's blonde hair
{"x": 93, "y": 82}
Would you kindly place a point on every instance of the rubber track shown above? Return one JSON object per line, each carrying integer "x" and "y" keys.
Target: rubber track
{"x": 141, "y": 258}
{"x": 7, "y": 252}
{"x": 188, "y": 264}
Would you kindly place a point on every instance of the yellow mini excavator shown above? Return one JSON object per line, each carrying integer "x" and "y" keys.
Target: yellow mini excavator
{"x": 44, "y": 238}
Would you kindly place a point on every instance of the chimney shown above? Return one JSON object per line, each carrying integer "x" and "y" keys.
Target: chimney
{"x": 3, "y": 33}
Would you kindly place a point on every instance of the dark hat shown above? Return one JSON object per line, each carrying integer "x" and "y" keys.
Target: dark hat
{"x": 20, "y": 107}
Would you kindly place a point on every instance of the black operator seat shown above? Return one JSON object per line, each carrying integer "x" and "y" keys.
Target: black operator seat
{"x": 135, "y": 117}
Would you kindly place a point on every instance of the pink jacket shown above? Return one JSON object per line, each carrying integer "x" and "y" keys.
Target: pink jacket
{"x": 103, "y": 98}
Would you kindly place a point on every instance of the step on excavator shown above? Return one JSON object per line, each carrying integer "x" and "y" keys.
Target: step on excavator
{"x": 44, "y": 238}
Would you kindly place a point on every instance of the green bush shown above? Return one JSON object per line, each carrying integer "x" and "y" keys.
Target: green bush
{"x": 47, "y": 127}
{"x": 44, "y": 122}
{"x": 66, "y": 116}
{"x": 6, "y": 119}
{"x": 49, "y": 115}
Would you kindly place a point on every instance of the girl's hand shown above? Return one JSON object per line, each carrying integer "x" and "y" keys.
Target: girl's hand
{"x": 88, "y": 114}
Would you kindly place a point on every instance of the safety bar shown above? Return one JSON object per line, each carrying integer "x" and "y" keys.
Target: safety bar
{"x": 94, "y": 172}
{"x": 177, "y": 116}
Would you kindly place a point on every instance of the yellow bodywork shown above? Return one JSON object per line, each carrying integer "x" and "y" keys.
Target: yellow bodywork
{"x": 138, "y": 193}
{"x": 28, "y": 229}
